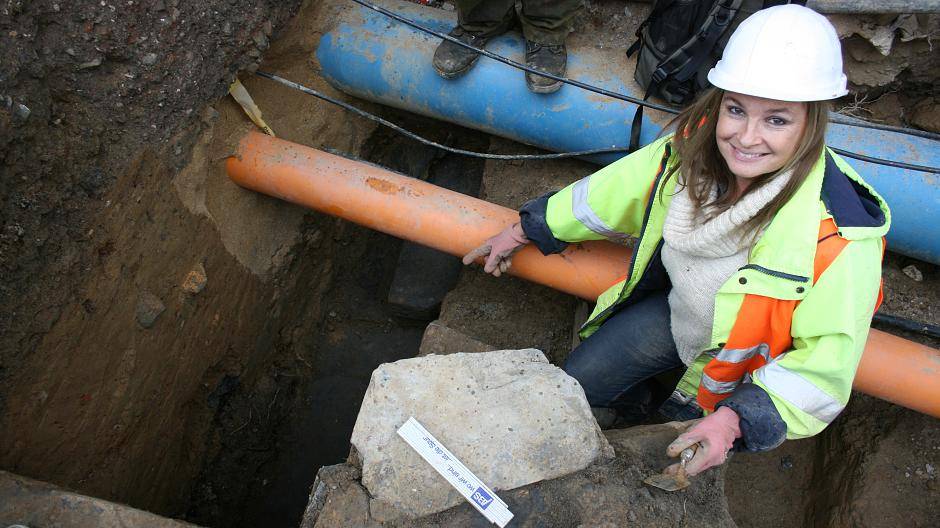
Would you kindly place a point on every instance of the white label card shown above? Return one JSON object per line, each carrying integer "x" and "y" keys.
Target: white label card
{"x": 444, "y": 462}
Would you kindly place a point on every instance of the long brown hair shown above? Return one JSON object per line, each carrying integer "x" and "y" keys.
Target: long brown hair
{"x": 701, "y": 166}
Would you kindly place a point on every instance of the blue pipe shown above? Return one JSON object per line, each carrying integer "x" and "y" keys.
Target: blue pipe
{"x": 372, "y": 57}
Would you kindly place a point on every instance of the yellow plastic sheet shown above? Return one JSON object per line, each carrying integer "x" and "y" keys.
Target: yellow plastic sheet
{"x": 241, "y": 95}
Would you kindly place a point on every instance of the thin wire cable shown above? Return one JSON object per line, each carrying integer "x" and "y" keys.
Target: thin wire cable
{"x": 834, "y": 117}
{"x": 514, "y": 64}
{"x": 663, "y": 108}
{"x": 426, "y": 141}
{"x": 899, "y": 322}
{"x": 889, "y": 163}
{"x": 558, "y": 155}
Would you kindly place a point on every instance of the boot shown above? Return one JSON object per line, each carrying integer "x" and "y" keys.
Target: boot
{"x": 452, "y": 61}
{"x": 549, "y": 59}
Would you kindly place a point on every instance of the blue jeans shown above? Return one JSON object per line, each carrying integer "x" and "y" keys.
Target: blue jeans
{"x": 615, "y": 364}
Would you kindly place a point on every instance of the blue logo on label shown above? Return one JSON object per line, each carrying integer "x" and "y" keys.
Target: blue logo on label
{"x": 481, "y": 497}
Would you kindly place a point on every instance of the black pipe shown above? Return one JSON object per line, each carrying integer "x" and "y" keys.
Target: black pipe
{"x": 926, "y": 329}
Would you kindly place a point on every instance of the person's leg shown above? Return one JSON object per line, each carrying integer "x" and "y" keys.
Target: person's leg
{"x": 546, "y": 24}
{"x": 478, "y": 21}
{"x": 614, "y": 365}
{"x": 487, "y": 18}
{"x": 548, "y": 21}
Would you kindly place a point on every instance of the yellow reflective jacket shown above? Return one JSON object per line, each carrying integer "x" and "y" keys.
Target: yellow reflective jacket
{"x": 793, "y": 321}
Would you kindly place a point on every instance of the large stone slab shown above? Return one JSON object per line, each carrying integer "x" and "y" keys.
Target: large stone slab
{"x": 510, "y": 416}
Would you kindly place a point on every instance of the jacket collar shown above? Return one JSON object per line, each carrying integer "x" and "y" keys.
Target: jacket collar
{"x": 788, "y": 244}
{"x": 856, "y": 208}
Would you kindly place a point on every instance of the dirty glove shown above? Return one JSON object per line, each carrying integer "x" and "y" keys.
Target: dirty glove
{"x": 499, "y": 250}
{"x": 715, "y": 433}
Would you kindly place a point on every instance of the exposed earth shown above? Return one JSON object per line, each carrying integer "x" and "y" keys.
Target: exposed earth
{"x": 175, "y": 343}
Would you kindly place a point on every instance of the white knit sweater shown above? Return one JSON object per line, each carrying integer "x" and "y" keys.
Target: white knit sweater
{"x": 700, "y": 256}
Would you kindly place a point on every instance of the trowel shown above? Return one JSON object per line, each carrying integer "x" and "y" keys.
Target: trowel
{"x": 678, "y": 481}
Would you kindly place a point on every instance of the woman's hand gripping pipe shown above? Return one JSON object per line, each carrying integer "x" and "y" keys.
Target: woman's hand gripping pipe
{"x": 499, "y": 249}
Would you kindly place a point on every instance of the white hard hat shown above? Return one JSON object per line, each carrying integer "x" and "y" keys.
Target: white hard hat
{"x": 787, "y": 52}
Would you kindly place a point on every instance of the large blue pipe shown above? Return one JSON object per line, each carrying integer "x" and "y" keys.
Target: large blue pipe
{"x": 370, "y": 56}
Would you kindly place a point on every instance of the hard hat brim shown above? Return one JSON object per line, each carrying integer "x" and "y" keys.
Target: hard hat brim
{"x": 769, "y": 91}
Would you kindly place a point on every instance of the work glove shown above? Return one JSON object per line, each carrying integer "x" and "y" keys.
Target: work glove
{"x": 715, "y": 435}
{"x": 499, "y": 250}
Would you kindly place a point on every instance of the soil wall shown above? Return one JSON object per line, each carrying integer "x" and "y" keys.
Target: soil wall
{"x": 103, "y": 102}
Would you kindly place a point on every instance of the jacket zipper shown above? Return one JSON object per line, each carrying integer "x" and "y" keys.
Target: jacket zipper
{"x": 774, "y": 273}
{"x": 639, "y": 241}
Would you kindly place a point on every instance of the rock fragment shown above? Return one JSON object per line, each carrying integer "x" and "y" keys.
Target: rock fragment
{"x": 149, "y": 308}
{"x": 261, "y": 41}
{"x": 195, "y": 280}
{"x": 21, "y": 112}
{"x": 914, "y": 273}
{"x": 441, "y": 339}
{"x": 93, "y": 63}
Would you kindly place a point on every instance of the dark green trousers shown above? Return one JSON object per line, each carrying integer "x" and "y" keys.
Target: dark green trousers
{"x": 544, "y": 21}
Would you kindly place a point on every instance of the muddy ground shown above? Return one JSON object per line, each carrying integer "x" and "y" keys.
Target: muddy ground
{"x": 218, "y": 406}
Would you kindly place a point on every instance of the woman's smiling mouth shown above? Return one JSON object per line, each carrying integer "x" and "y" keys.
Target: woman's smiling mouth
{"x": 741, "y": 155}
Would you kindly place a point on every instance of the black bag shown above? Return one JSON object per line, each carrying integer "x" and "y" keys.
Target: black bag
{"x": 679, "y": 42}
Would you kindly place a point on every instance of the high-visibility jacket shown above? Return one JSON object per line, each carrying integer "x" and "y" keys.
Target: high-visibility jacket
{"x": 793, "y": 322}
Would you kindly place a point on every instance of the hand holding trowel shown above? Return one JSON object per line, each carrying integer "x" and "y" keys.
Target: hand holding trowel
{"x": 704, "y": 444}
{"x": 674, "y": 477}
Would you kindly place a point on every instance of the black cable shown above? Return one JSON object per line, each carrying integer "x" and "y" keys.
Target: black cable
{"x": 891, "y": 320}
{"x": 591, "y": 88}
{"x": 514, "y": 64}
{"x": 426, "y": 141}
{"x": 663, "y": 108}
{"x": 927, "y": 329}
{"x": 835, "y": 117}
{"x": 559, "y": 155}
{"x": 889, "y": 163}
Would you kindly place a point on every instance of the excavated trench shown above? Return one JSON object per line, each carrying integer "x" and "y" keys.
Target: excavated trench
{"x": 218, "y": 404}
{"x": 264, "y": 468}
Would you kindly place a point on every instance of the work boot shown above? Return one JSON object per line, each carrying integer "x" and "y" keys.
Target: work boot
{"x": 549, "y": 59}
{"x": 451, "y": 60}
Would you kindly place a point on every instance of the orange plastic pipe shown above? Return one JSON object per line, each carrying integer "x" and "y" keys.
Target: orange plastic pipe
{"x": 892, "y": 368}
{"x": 412, "y": 209}
{"x": 900, "y": 371}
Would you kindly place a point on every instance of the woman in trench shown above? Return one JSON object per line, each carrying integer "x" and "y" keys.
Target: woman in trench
{"x": 757, "y": 265}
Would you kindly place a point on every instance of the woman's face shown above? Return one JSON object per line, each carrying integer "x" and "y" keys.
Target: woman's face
{"x": 757, "y": 136}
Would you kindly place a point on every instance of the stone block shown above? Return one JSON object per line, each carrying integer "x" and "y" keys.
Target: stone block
{"x": 441, "y": 339}
{"x": 510, "y": 416}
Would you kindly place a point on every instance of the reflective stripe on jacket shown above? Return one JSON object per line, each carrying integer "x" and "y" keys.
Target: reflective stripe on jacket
{"x": 793, "y": 321}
